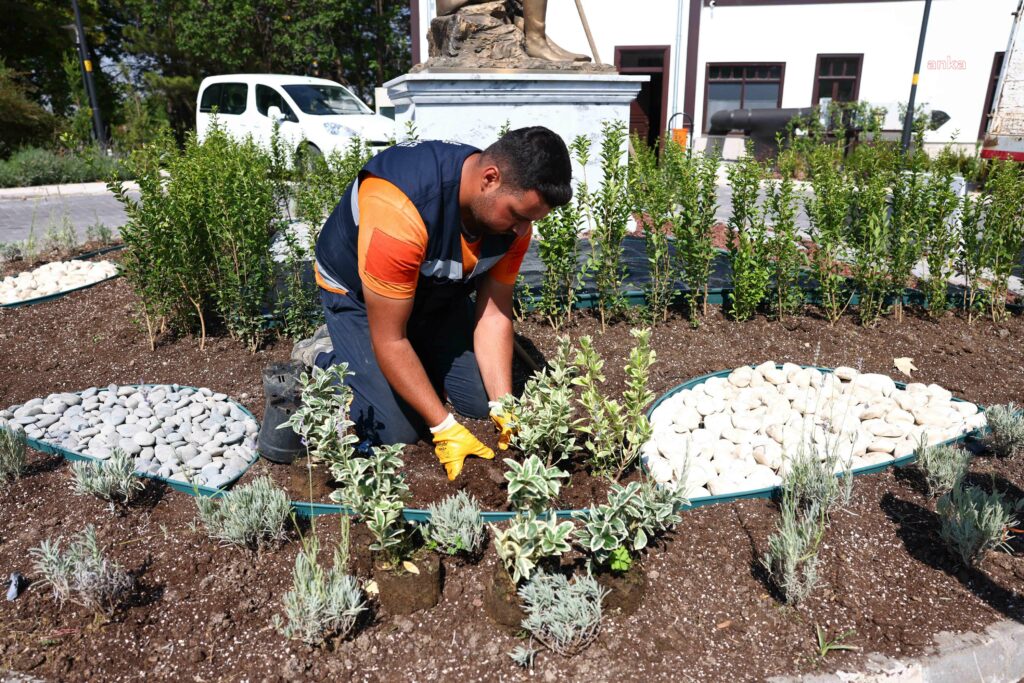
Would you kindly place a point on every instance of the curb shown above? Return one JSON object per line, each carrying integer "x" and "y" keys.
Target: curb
{"x": 995, "y": 656}
{"x": 61, "y": 190}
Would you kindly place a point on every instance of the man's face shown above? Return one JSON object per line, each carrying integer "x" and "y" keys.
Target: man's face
{"x": 498, "y": 211}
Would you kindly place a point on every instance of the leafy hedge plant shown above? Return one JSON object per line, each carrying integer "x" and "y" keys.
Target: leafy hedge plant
{"x": 38, "y": 166}
{"x": 197, "y": 243}
{"x": 748, "y": 238}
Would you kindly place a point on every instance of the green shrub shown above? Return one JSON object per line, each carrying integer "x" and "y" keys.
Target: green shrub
{"x": 13, "y": 460}
{"x": 828, "y": 209}
{"x": 1002, "y": 239}
{"x": 974, "y": 522}
{"x": 1006, "y": 430}
{"x": 456, "y": 526}
{"x": 558, "y": 248}
{"x": 37, "y": 166}
{"x": 564, "y": 616}
{"x": 321, "y": 604}
{"x": 22, "y": 120}
{"x": 940, "y": 240}
{"x": 694, "y": 186}
{"x": 83, "y": 574}
{"x": 252, "y": 515}
{"x": 784, "y": 243}
{"x": 870, "y": 238}
{"x": 113, "y": 479}
{"x": 651, "y": 192}
{"x": 198, "y": 241}
{"x": 748, "y": 238}
{"x": 323, "y": 420}
{"x": 324, "y": 180}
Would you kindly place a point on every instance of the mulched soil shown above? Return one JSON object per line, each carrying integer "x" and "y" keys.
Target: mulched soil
{"x": 204, "y": 612}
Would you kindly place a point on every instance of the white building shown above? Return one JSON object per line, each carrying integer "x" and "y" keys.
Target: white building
{"x": 706, "y": 55}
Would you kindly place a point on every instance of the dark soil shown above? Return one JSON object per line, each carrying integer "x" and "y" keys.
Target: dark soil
{"x": 625, "y": 590}
{"x": 204, "y": 612}
{"x": 405, "y": 592}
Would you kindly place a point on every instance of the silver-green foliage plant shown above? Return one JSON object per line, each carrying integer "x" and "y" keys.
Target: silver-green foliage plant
{"x": 943, "y": 466}
{"x": 609, "y": 210}
{"x": 322, "y": 604}
{"x": 812, "y": 481}
{"x": 456, "y": 525}
{"x": 616, "y": 430}
{"x": 694, "y": 188}
{"x": 82, "y": 574}
{"x": 113, "y": 479}
{"x": 974, "y": 522}
{"x": 792, "y": 557}
{"x": 529, "y": 540}
{"x": 650, "y": 190}
{"x": 252, "y": 515}
{"x": 1006, "y": 430}
{"x": 635, "y": 514}
{"x": 564, "y": 616}
{"x": 13, "y": 459}
{"x": 99, "y": 233}
{"x": 748, "y": 238}
{"x": 532, "y": 486}
{"x": 543, "y": 413}
{"x": 323, "y": 418}
{"x": 374, "y": 488}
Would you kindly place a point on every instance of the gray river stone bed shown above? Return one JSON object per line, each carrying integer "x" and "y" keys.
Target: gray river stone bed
{"x": 179, "y": 433}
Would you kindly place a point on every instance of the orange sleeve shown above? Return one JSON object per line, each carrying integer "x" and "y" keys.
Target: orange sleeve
{"x": 506, "y": 270}
{"x": 392, "y": 240}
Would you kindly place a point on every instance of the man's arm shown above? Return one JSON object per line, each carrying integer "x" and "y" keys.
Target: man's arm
{"x": 492, "y": 337}
{"x": 397, "y": 359}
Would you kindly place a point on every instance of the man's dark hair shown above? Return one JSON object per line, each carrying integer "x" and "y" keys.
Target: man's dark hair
{"x": 534, "y": 158}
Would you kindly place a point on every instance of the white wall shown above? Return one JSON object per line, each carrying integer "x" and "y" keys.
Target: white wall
{"x": 971, "y": 31}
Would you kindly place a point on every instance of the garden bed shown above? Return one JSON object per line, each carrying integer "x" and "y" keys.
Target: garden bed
{"x": 205, "y": 611}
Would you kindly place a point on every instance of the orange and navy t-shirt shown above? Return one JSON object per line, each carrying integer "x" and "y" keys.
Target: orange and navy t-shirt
{"x": 392, "y": 244}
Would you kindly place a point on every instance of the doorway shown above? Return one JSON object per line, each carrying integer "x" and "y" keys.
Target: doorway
{"x": 649, "y": 111}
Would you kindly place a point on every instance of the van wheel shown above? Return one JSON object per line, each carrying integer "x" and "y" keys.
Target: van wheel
{"x": 308, "y": 158}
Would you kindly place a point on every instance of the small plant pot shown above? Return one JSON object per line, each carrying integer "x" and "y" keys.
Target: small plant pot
{"x": 625, "y": 590}
{"x": 502, "y": 603}
{"x": 404, "y": 592}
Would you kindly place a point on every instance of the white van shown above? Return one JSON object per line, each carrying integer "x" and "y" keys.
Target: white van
{"x": 316, "y": 115}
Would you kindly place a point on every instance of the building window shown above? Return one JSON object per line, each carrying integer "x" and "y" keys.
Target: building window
{"x": 742, "y": 86}
{"x": 837, "y": 77}
{"x": 990, "y": 95}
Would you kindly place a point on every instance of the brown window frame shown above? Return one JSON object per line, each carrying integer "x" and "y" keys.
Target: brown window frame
{"x": 815, "y": 92}
{"x": 743, "y": 81}
{"x": 990, "y": 92}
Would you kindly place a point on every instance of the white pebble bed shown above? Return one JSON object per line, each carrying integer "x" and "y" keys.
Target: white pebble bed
{"x": 738, "y": 433}
{"x": 178, "y": 433}
{"x": 51, "y": 278}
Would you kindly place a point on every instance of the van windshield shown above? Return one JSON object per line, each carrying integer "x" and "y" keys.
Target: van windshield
{"x": 325, "y": 100}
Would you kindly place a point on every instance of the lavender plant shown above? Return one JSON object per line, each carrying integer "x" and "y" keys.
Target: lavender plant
{"x": 321, "y": 604}
{"x": 792, "y": 557}
{"x": 528, "y": 541}
{"x": 252, "y": 515}
{"x": 82, "y": 574}
{"x": 974, "y": 522}
{"x": 456, "y": 525}
{"x": 113, "y": 479}
{"x": 13, "y": 460}
{"x": 615, "y": 430}
{"x": 748, "y": 238}
{"x": 565, "y": 617}
{"x": 1006, "y": 430}
{"x": 944, "y": 467}
{"x": 374, "y": 489}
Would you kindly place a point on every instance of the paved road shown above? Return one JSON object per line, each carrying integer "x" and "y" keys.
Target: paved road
{"x": 19, "y": 217}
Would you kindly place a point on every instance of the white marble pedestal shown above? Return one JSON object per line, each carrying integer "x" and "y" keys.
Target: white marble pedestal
{"x": 472, "y": 106}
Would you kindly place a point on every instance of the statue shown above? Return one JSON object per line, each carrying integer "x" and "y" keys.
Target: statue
{"x": 498, "y": 34}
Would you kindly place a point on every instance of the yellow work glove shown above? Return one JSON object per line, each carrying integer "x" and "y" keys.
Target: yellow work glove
{"x": 505, "y": 424}
{"x": 453, "y": 443}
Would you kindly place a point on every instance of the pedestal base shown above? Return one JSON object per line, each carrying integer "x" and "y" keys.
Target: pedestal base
{"x": 472, "y": 106}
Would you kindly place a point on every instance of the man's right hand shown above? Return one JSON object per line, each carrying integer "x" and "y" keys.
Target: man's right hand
{"x": 453, "y": 444}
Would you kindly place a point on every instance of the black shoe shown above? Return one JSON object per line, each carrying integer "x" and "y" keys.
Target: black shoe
{"x": 282, "y": 398}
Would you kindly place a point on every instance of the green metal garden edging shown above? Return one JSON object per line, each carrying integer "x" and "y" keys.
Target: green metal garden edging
{"x": 771, "y": 491}
{"x": 183, "y": 487}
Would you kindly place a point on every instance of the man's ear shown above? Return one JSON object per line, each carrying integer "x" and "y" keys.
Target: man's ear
{"x": 490, "y": 178}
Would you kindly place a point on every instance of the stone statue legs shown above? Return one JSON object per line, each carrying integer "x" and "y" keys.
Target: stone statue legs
{"x": 534, "y": 26}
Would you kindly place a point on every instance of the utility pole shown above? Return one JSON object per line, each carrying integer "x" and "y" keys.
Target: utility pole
{"x": 908, "y": 120}
{"x": 90, "y": 87}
